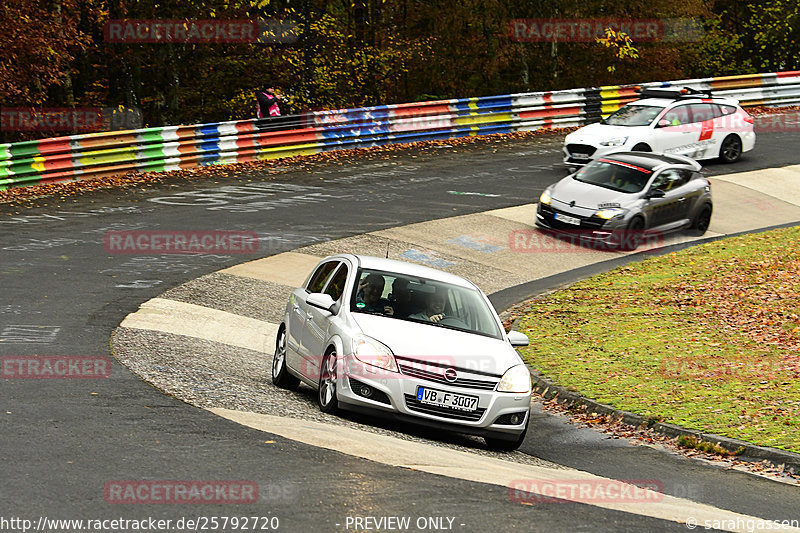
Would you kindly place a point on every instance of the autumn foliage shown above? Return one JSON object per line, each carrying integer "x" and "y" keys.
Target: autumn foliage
{"x": 364, "y": 52}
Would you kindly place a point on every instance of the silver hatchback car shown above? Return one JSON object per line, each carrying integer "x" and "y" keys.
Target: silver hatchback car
{"x": 624, "y": 199}
{"x": 393, "y": 338}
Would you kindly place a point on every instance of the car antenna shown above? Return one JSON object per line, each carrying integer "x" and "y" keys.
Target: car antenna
{"x": 387, "y": 248}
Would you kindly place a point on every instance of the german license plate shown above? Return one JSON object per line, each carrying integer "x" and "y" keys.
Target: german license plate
{"x": 451, "y": 400}
{"x": 566, "y": 219}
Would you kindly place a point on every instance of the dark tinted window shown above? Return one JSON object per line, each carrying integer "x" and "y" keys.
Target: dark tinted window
{"x": 336, "y": 286}
{"x": 671, "y": 179}
{"x": 702, "y": 112}
{"x": 463, "y": 309}
{"x": 722, "y": 110}
{"x": 633, "y": 115}
{"x": 677, "y": 115}
{"x": 617, "y": 176}
{"x": 323, "y": 272}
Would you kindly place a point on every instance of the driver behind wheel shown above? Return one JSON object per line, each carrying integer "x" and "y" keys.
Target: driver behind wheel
{"x": 434, "y": 307}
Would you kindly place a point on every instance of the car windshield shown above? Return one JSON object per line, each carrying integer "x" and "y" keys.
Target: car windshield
{"x": 614, "y": 175}
{"x": 423, "y": 300}
{"x": 633, "y": 115}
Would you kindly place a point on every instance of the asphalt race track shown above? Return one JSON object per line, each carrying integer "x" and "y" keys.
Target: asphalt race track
{"x": 66, "y": 441}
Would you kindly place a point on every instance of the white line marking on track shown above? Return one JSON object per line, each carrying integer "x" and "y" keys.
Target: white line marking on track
{"x": 471, "y": 467}
{"x": 180, "y": 318}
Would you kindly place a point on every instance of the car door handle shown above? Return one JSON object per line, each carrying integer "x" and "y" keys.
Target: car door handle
{"x": 682, "y": 199}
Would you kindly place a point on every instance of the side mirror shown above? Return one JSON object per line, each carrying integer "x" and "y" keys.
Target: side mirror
{"x": 655, "y": 193}
{"x": 321, "y": 301}
{"x": 517, "y": 339}
{"x": 664, "y": 123}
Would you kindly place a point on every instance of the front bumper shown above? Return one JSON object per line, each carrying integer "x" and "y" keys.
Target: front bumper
{"x": 577, "y": 154}
{"x": 592, "y": 231}
{"x": 393, "y": 394}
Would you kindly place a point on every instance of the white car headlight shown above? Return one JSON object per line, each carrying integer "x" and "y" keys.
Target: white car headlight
{"x": 516, "y": 379}
{"x": 369, "y": 351}
{"x": 545, "y": 198}
{"x": 608, "y": 214}
{"x": 616, "y": 141}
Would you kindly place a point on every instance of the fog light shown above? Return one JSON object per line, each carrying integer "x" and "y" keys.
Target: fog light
{"x": 516, "y": 420}
{"x": 365, "y": 391}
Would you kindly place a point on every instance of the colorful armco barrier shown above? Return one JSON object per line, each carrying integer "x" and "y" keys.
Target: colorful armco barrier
{"x": 78, "y": 157}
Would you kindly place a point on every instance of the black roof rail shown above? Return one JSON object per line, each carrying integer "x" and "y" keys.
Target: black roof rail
{"x": 673, "y": 93}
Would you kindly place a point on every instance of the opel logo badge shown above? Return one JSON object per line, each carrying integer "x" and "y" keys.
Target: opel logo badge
{"x": 450, "y": 375}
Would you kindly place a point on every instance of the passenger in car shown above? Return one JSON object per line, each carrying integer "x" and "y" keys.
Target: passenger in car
{"x": 369, "y": 296}
{"x": 400, "y": 298}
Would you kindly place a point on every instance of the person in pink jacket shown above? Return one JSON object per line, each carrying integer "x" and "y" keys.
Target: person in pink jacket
{"x": 267, "y": 103}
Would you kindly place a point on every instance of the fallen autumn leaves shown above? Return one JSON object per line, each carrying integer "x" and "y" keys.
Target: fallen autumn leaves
{"x": 19, "y": 196}
{"x": 706, "y": 338}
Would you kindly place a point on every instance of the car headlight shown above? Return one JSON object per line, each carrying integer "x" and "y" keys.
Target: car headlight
{"x": 516, "y": 379}
{"x": 608, "y": 214}
{"x": 616, "y": 141}
{"x": 369, "y": 351}
{"x": 545, "y": 198}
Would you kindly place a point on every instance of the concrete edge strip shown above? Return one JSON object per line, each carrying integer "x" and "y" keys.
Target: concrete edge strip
{"x": 287, "y": 268}
{"x": 191, "y": 320}
{"x": 524, "y": 482}
{"x": 742, "y": 179}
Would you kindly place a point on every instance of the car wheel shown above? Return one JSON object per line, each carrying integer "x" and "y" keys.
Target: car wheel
{"x": 632, "y": 237}
{"x": 502, "y": 445}
{"x": 642, "y": 147}
{"x": 280, "y": 375}
{"x": 702, "y": 220}
{"x": 326, "y": 395}
{"x": 731, "y": 149}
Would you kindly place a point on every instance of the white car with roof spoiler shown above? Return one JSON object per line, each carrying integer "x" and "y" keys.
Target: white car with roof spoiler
{"x": 406, "y": 341}
{"x": 680, "y": 122}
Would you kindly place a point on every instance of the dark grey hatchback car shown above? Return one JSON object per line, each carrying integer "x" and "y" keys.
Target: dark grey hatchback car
{"x": 621, "y": 199}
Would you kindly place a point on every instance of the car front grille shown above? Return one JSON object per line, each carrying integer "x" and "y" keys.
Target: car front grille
{"x": 436, "y": 377}
{"x": 415, "y": 405}
{"x": 587, "y": 223}
{"x": 581, "y": 149}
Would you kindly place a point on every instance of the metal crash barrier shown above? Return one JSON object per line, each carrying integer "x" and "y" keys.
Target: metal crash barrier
{"x": 77, "y": 157}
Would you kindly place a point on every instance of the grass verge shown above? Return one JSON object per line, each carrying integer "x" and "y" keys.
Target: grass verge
{"x": 707, "y": 338}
